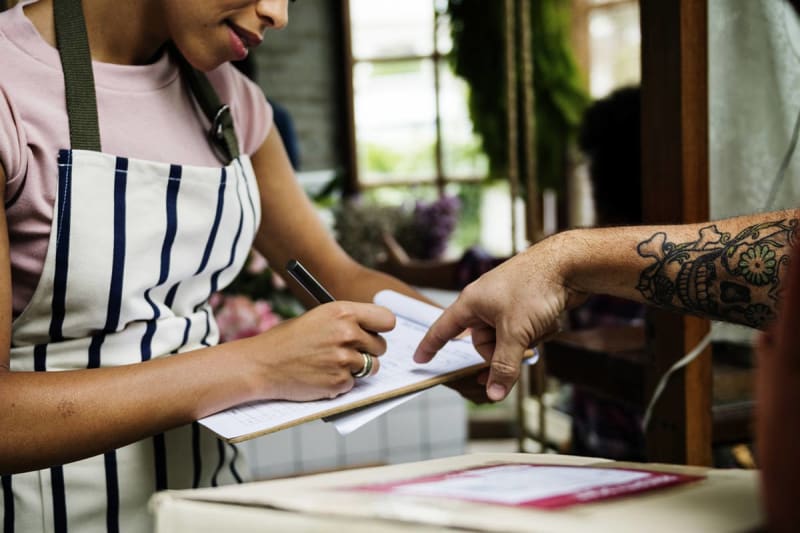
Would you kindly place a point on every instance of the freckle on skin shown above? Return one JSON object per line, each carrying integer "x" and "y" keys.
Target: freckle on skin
{"x": 66, "y": 408}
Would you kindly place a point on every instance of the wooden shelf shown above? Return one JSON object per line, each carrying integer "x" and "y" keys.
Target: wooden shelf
{"x": 613, "y": 362}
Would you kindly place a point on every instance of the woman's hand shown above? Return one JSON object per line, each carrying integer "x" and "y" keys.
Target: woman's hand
{"x": 508, "y": 310}
{"x": 315, "y": 355}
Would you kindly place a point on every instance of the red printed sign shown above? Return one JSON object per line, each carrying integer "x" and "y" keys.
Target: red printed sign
{"x": 527, "y": 485}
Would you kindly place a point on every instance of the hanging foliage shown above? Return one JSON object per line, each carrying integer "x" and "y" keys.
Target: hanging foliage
{"x": 478, "y": 57}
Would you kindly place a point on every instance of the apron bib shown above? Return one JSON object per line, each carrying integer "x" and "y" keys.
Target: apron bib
{"x": 136, "y": 248}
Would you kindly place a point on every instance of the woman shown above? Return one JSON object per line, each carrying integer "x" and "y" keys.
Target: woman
{"x": 115, "y": 235}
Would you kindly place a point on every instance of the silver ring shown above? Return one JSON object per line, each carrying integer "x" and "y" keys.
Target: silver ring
{"x": 366, "y": 370}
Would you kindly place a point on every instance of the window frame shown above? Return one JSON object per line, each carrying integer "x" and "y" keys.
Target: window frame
{"x": 440, "y": 180}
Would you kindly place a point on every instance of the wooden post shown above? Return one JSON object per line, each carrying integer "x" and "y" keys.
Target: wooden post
{"x": 348, "y": 140}
{"x": 675, "y": 190}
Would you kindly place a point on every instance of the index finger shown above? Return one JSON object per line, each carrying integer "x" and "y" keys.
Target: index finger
{"x": 373, "y": 317}
{"x": 454, "y": 320}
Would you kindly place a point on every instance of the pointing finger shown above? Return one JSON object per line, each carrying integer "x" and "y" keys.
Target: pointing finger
{"x": 450, "y": 324}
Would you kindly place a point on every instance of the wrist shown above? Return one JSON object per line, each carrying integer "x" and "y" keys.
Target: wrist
{"x": 568, "y": 252}
{"x": 600, "y": 261}
{"x": 232, "y": 376}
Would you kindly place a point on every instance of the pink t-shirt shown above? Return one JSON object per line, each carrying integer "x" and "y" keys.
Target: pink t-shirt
{"x": 145, "y": 112}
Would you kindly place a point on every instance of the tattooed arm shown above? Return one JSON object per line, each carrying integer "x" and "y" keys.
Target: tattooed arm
{"x": 726, "y": 270}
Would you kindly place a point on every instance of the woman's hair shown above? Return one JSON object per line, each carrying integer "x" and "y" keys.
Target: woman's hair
{"x": 610, "y": 138}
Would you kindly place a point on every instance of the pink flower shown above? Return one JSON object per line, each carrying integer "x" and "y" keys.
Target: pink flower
{"x": 239, "y": 317}
{"x": 277, "y": 281}
{"x": 257, "y": 264}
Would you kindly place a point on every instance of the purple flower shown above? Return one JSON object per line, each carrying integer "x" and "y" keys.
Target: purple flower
{"x": 430, "y": 227}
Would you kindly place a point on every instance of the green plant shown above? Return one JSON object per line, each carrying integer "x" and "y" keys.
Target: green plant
{"x": 478, "y": 57}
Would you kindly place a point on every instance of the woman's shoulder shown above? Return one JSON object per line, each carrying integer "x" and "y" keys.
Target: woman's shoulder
{"x": 8, "y": 18}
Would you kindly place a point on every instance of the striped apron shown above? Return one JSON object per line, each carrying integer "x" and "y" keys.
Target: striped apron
{"x": 136, "y": 248}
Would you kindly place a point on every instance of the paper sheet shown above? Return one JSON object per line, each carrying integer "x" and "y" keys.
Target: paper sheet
{"x": 398, "y": 377}
{"x": 397, "y": 372}
{"x": 350, "y": 421}
{"x": 532, "y": 485}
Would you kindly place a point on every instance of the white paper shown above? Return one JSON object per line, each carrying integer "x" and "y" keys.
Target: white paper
{"x": 346, "y": 423}
{"x": 402, "y": 305}
{"x": 514, "y": 484}
{"x": 350, "y": 421}
{"x": 398, "y": 370}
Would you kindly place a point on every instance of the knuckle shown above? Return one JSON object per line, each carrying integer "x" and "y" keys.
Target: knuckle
{"x": 341, "y": 358}
{"x": 342, "y": 310}
{"x": 471, "y": 292}
{"x": 348, "y": 331}
{"x": 503, "y": 369}
{"x": 341, "y": 383}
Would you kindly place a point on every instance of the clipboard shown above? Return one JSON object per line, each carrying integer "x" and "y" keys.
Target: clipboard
{"x": 399, "y": 375}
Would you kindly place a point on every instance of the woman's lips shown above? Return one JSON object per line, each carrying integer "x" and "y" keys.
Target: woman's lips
{"x": 242, "y": 39}
{"x": 238, "y": 45}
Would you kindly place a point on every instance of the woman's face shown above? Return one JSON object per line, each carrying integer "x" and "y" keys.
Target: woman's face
{"x": 211, "y": 32}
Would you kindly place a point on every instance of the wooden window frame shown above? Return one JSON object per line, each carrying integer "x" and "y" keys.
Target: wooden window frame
{"x": 355, "y": 185}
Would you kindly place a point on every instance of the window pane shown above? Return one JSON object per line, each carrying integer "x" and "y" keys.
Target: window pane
{"x": 444, "y": 40}
{"x": 388, "y": 28}
{"x": 615, "y": 46}
{"x": 462, "y": 154}
{"x": 395, "y": 113}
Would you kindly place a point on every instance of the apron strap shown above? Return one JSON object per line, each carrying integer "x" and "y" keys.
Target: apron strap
{"x": 221, "y": 133}
{"x": 76, "y": 62}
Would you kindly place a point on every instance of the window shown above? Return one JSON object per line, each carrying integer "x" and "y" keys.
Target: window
{"x": 608, "y": 43}
{"x": 411, "y": 116}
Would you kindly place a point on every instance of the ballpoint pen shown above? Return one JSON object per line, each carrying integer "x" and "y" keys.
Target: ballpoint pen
{"x": 315, "y": 289}
{"x": 308, "y": 282}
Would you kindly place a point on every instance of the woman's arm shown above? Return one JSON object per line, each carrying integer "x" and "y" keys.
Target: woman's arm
{"x": 291, "y": 229}
{"x": 49, "y": 418}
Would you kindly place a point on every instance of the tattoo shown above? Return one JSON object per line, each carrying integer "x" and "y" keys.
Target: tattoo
{"x": 736, "y": 279}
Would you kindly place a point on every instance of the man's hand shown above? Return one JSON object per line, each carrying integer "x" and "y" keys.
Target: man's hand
{"x": 508, "y": 310}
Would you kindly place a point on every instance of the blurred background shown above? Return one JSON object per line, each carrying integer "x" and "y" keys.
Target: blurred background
{"x": 439, "y": 137}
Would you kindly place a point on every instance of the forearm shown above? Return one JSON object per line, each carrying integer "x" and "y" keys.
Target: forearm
{"x": 56, "y": 417}
{"x": 361, "y": 284}
{"x": 729, "y": 270}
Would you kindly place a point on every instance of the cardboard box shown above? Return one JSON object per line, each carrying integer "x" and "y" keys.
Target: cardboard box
{"x": 726, "y": 500}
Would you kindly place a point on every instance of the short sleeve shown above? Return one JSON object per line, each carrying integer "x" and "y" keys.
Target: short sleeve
{"x": 252, "y": 114}
{"x": 12, "y": 148}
